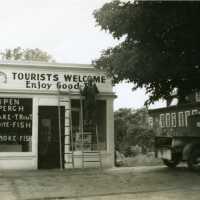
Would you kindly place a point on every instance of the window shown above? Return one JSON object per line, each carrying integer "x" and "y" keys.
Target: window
{"x": 187, "y": 114}
{"x": 194, "y": 112}
{"x": 89, "y": 137}
{"x": 151, "y": 122}
{"x": 167, "y": 119}
{"x": 197, "y": 96}
{"x": 162, "y": 120}
{"x": 173, "y": 119}
{"x": 15, "y": 125}
{"x": 181, "y": 119}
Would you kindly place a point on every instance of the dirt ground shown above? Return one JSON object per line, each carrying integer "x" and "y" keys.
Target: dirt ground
{"x": 139, "y": 183}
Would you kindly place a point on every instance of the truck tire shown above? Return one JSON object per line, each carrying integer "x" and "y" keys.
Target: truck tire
{"x": 194, "y": 160}
{"x": 171, "y": 163}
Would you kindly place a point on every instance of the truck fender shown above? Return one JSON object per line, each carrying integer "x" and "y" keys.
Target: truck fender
{"x": 188, "y": 149}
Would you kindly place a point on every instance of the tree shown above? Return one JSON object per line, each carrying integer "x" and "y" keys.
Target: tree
{"x": 131, "y": 128}
{"x": 160, "y": 48}
{"x": 122, "y": 119}
{"x": 26, "y": 54}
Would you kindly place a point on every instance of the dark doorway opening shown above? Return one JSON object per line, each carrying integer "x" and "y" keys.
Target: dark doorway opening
{"x": 48, "y": 137}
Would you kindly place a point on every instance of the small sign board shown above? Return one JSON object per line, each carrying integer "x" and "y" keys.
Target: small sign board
{"x": 85, "y": 140}
{"x": 15, "y": 120}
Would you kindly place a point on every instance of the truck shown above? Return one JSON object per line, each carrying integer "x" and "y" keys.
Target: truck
{"x": 177, "y": 134}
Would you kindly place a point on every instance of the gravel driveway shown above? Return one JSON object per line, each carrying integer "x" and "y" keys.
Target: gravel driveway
{"x": 140, "y": 183}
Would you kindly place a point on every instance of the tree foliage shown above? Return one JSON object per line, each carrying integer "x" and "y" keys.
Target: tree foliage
{"x": 160, "y": 48}
{"x": 131, "y": 128}
{"x": 26, "y": 54}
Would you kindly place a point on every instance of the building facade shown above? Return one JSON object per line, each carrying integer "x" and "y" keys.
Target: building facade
{"x": 40, "y": 111}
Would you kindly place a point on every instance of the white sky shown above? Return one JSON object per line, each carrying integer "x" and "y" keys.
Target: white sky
{"x": 66, "y": 30}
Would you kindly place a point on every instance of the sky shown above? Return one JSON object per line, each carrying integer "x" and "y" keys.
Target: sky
{"x": 66, "y": 29}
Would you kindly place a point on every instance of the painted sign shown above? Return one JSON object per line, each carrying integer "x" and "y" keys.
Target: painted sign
{"x": 51, "y": 80}
{"x": 15, "y": 120}
{"x": 174, "y": 121}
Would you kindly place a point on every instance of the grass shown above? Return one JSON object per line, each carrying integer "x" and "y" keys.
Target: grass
{"x": 141, "y": 160}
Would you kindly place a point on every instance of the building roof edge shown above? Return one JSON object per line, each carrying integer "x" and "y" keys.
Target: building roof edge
{"x": 45, "y": 64}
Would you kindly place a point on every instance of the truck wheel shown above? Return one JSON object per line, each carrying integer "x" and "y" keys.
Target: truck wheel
{"x": 194, "y": 160}
{"x": 171, "y": 163}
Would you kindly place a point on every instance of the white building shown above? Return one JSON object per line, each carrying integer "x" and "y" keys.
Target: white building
{"x": 30, "y": 96}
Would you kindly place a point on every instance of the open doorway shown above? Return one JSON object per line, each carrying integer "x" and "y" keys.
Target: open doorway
{"x": 48, "y": 137}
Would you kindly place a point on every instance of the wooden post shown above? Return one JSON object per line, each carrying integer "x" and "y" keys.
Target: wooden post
{"x": 81, "y": 127}
{"x": 60, "y": 133}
